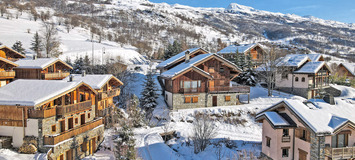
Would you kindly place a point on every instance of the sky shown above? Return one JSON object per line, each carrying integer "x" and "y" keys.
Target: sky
{"x": 338, "y": 10}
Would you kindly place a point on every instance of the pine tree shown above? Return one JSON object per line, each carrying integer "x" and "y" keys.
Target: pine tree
{"x": 172, "y": 50}
{"x": 18, "y": 47}
{"x": 36, "y": 44}
{"x": 149, "y": 97}
{"x": 78, "y": 65}
{"x": 124, "y": 148}
{"x": 249, "y": 62}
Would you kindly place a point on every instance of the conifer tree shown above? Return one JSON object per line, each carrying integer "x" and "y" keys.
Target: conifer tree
{"x": 149, "y": 97}
{"x": 36, "y": 44}
{"x": 18, "y": 47}
{"x": 172, "y": 50}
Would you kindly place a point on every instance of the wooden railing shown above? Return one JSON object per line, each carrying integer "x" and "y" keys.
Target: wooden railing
{"x": 286, "y": 139}
{"x": 191, "y": 90}
{"x": 42, "y": 113}
{"x": 110, "y": 93}
{"x": 340, "y": 153}
{"x": 73, "y": 108}
{"x": 56, "y": 75}
{"x": 7, "y": 74}
{"x": 235, "y": 89}
{"x": 52, "y": 140}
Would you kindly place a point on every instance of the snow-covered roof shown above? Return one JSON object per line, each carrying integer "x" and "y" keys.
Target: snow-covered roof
{"x": 184, "y": 66}
{"x": 311, "y": 67}
{"x": 39, "y": 63}
{"x": 320, "y": 117}
{"x": 293, "y": 60}
{"x": 95, "y": 81}
{"x": 350, "y": 67}
{"x": 275, "y": 118}
{"x": 177, "y": 57}
{"x": 19, "y": 54}
{"x": 240, "y": 48}
{"x": 8, "y": 61}
{"x": 314, "y": 57}
{"x": 34, "y": 92}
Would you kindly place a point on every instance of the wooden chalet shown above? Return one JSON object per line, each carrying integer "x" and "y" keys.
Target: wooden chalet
{"x": 42, "y": 68}
{"x": 256, "y": 52}
{"x": 107, "y": 87}
{"x": 201, "y": 81}
{"x": 58, "y": 115}
{"x": 346, "y": 70}
{"x": 7, "y": 58}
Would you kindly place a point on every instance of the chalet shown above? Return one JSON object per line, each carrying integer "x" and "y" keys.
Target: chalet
{"x": 42, "y": 68}
{"x": 179, "y": 58}
{"x": 107, "y": 87}
{"x": 257, "y": 52}
{"x": 57, "y": 117}
{"x": 7, "y": 58}
{"x": 299, "y": 75}
{"x": 201, "y": 81}
{"x": 312, "y": 130}
{"x": 347, "y": 70}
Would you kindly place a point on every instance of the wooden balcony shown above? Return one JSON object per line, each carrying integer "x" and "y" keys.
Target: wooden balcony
{"x": 105, "y": 112}
{"x": 340, "y": 153}
{"x": 52, "y": 140}
{"x": 110, "y": 93}
{"x": 74, "y": 108}
{"x": 42, "y": 113}
{"x": 191, "y": 90}
{"x": 7, "y": 74}
{"x": 286, "y": 139}
{"x": 56, "y": 75}
{"x": 228, "y": 89}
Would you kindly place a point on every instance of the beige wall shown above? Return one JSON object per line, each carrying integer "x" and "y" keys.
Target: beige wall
{"x": 328, "y": 139}
{"x": 287, "y": 82}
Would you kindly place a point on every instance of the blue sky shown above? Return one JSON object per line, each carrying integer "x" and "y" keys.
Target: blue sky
{"x": 339, "y": 10}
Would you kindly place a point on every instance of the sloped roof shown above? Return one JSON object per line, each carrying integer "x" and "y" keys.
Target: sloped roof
{"x": 240, "y": 48}
{"x": 350, "y": 67}
{"x": 177, "y": 57}
{"x": 293, "y": 60}
{"x": 39, "y": 63}
{"x": 34, "y": 92}
{"x": 312, "y": 67}
{"x": 95, "y": 81}
{"x": 314, "y": 57}
{"x": 19, "y": 54}
{"x": 321, "y": 117}
{"x": 8, "y": 61}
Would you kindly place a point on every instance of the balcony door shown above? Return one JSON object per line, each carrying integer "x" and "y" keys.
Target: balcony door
{"x": 62, "y": 126}
{"x": 70, "y": 123}
{"x": 302, "y": 154}
{"x": 340, "y": 140}
{"x": 214, "y": 101}
{"x": 82, "y": 119}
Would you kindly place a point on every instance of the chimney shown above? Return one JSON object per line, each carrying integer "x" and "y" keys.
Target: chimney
{"x": 34, "y": 57}
{"x": 329, "y": 99}
{"x": 187, "y": 56}
{"x": 83, "y": 73}
{"x": 70, "y": 78}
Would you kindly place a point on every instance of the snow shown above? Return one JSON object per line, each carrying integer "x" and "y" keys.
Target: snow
{"x": 95, "y": 81}
{"x": 311, "y": 67}
{"x": 33, "y": 92}
{"x": 175, "y": 58}
{"x": 6, "y": 154}
{"x": 184, "y": 66}
{"x": 234, "y": 48}
{"x": 276, "y": 119}
{"x": 39, "y": 63}
{"x": 293, "y": 60}
{"x": 314, "y": 57}
{"x": 350, "y": 67}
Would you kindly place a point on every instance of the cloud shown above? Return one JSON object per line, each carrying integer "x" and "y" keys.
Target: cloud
{"x": 300, "y": 8}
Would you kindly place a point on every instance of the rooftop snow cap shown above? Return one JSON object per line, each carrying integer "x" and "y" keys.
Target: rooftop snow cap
{"x": 187, "y": 56}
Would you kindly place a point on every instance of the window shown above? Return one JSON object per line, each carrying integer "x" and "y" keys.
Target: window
{"x": 88, "y": 115}
{"x": 84, "y": 147}
{"x": 284, "y": 75}
{"x": 187, "y": 84}
{"x": 194, "y": 99}
{"x": 76, "y": 120}
{"x": 54, "y": 128}
{"x": 284, "y": 152}
{"x": 194, "y": 84}
{"x": 285, "y": 132}
{"x": 228, "y": 98}
{"x": 303, "y": 79}
{"x": 268, "y": 141}
{"x": 166, "y": 97}
{"x": 199, "y": 84}
{"x": 296, "y": 79}
{"x": 340, "y": 140}
{"x": 221, "y": 69}
{"x": 211, "y": 70}
{"x": 187, "y": 99}
{"x": 304, "y": 134}
{"x": 221, "y": 82}
{"x": 181, "y": 84}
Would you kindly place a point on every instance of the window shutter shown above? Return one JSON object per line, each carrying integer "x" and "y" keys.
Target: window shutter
{"x": 187, "y": 99}
{"x": 195, "y": 99}
{"x": 298, "y": 133}
{"x": 308, "y": 136}
{"x": 228, "y": 98}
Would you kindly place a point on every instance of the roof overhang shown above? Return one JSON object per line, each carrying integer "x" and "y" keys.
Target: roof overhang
{"x": 192, "y": 68}
{"x": 19, "y": 54}
{"x": 58, "y": 60}
{"x": 8, "y": 62}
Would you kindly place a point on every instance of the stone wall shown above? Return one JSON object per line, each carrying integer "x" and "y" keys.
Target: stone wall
{"x": 221, "y": 101}
{"x": 315, "y": 143}
{"x": 333, "y": 91}
{"x": 303, "y": 92}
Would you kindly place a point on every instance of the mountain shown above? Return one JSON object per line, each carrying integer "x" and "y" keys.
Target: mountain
{"x": 151, "y": 26}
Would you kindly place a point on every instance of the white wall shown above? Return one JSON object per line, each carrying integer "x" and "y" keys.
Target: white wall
{"x": 2, "y": 83}
{"x": 287, "y": 82}
{"x": 32, "y": 127}
{"x": 17, "y": 132}
{"x": 170, "y": 98}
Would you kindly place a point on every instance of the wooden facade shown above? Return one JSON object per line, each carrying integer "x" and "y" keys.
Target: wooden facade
{"x": 256, "y": 54}
{"x": 7, "y": 56}
{"x": 344, "y": 72}
{"x": 10, "y": 54}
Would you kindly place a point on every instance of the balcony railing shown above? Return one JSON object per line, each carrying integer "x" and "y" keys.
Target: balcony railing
{"x": 73, "y": 108}
{"x": 234, "y": 89}
{"x": 42, "y": 113}
{"x": 110, "y": 93}
{"x": 191, "y": 90}
{"x": 7, "y": 74}
{"x": 340, "y": 153}
{"x": 52, "y": 140}
{"x": 56, "y": 75}
{"x": 286, "y": 139}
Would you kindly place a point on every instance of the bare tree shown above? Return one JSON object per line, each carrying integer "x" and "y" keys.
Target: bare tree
{"x": 203, "y": 131}
{"x": 50, "y": 40}
{"x": 219, "y": 152}
{"x": 166, "y": 127}
{"x": 269, "y": 69}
